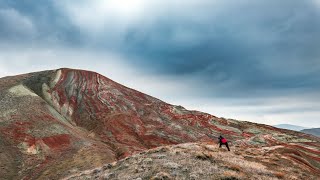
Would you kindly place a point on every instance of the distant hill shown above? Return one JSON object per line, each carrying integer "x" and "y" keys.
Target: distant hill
{"x": 290, "y": 127}
{"x": 313, "y": 131}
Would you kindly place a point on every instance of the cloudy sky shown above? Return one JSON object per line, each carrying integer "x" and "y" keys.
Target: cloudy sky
{"x": 254, "y": 60}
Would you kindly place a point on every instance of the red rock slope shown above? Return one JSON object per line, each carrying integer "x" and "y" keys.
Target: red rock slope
{"x": 54, "y": 123}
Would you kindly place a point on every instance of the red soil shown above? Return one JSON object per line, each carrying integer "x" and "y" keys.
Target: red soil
{"x": 116, "y": 121}
{"x": 57, "y": 142}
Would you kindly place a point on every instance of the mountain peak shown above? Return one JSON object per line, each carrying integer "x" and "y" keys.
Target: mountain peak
{"x": 59, "y": 120}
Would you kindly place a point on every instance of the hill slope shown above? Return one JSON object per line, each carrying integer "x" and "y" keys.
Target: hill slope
{"x": 200, "y": 161}
{"x": 56, "y": 123}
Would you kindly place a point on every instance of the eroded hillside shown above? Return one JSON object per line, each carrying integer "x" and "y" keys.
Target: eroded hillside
{"x": 56, "y": 123}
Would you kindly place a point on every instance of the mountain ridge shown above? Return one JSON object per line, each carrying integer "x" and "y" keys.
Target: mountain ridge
{"x": 313, "y": 131}
{"x": 56, "y": 122}
{"x": 290, "y": 127}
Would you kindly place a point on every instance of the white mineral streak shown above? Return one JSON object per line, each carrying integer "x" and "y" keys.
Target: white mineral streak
{"x": 46, "y": 91}
{"x": 53, "y": 99}
{"x": 56, "y": 79}
{"x": 67, "y": 110}
{"x": 46, "y": 94}
{"x": 21, "y": 90}
{"x": 29, "y": 149}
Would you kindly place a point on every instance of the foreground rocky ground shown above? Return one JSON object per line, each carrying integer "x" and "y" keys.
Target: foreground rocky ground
{"x": 200, "y": 161}
{"x": 56, "y": 123}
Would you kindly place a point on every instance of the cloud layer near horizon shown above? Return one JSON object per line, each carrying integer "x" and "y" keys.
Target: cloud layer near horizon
{"x": 240, "y": 59}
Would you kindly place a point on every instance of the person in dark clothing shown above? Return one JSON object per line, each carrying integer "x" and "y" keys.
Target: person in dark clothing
{"x": 223, "y": 141}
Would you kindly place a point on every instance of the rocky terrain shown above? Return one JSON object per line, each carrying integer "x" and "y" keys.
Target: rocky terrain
{"x": 200, "y": 161}
{"x": 57, "y": 123}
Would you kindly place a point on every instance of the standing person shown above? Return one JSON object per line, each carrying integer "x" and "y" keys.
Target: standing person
{"x": 223, "y": 141}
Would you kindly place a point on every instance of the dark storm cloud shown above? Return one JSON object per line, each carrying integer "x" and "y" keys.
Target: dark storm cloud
{"x": 232, "y": 47}
{"x": 29, "y": 22}
{"x": 257, "y": 45}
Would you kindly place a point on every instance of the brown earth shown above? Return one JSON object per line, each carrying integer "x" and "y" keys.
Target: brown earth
{"x": 203, "y": 161}
{"x": 56, "y": 123}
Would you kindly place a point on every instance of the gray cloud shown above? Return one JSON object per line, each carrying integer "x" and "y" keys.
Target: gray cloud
{"x": 35, "y": 23}
{"x": 15, "y": 26}
{"x": 227, "y": 51}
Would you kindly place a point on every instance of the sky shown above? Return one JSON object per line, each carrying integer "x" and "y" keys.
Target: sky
{"x": 252, "y": 60}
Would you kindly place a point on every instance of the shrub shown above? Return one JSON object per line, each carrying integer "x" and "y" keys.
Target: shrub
{"x": 203, "y": 156}
{"x": 161, "y": 176}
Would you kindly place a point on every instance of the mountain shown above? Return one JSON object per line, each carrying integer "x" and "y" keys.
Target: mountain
{"x": 290, "y": 127}
{"x": 61, "y": 122}
{"x": 313, "y": 131}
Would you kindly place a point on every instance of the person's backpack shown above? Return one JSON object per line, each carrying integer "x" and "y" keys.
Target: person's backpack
{"x": 223, "y": 140}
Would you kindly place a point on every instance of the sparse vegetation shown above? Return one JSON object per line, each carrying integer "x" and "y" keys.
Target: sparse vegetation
{"x": 161, "y": 176}
{"x": 195, "y": 161}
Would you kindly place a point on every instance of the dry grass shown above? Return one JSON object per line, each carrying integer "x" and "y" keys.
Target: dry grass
{"x": 203, "y": 155}
{"x": 279, "y": 175}
{"x": 231, "y": 175}
{"x": 193, "y": 161}
{"x": 234, "y": 167}
{"x": 161, "y": 176}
